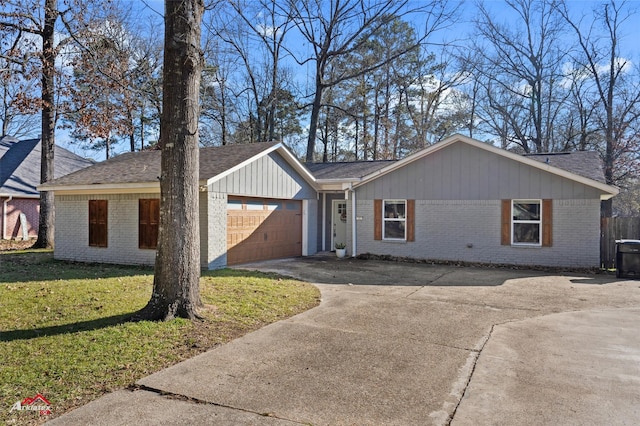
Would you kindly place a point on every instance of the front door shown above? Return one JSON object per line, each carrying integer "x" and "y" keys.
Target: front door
{"x": 339, "y": 223}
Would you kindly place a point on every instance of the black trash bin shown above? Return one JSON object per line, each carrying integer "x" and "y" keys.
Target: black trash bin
{"x": 628, "y": 259}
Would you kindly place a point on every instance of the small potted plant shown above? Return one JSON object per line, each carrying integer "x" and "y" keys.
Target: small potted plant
{"x": 341, "y": 250}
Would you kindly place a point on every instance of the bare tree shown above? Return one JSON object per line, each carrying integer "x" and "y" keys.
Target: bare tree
{"x": 337, "y": 27}
{"x": 176, "y": 287}
{"x": 246, "y": 69}
{"x": 521, "y": 69}
{"x": 616, "y": 88}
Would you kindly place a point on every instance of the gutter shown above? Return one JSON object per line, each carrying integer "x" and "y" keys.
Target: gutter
{"x": 353, "y": 217}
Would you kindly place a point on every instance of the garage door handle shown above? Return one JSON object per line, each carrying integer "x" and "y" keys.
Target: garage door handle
{"x": 265, "y": 236}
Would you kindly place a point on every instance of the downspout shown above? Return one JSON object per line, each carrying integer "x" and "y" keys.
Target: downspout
{"x": 4, "y": 216}
{"x": 354, "y": 223}
{"x": 324, "y": 221}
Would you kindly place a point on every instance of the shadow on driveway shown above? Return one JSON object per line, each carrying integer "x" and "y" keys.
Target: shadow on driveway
{"x": 327, "y": 269}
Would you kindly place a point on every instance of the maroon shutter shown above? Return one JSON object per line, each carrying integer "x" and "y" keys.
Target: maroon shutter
{"x": 411, "y": 224}
{"x": 505, "y": 228}
{"x": 148, "y": 223}
{"x": 98, "y": 213}
{"x": 547, "y": 223}
{"x": 377, "y": 219}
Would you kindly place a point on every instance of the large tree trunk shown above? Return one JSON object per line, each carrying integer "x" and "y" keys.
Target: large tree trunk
{"x": 46, "y": 219}
{"x": 176, "y": 291}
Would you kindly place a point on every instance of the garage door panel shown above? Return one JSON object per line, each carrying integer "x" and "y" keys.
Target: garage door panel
{"x": 263, "y": 229}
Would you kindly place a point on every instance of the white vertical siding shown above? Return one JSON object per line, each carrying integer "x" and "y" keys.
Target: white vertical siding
{"x": 269, "y": 176}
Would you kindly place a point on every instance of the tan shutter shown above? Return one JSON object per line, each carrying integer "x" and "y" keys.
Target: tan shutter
{"x": 547, "y": 223}
{"x": 505, "y": 229}
{"x": 411, "y": 223}
{"x": 377, "y": 219}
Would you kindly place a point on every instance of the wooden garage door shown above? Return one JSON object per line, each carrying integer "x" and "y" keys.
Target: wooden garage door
{"x": 259, "y": 229}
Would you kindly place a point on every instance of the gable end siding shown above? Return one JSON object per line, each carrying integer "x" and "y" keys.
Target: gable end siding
{"x": 270, "y": 176}
{"x": 464, "y": 172}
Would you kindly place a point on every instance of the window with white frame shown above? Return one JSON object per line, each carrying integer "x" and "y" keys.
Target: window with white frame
{"x": 526, "y": 222}
{"x": 394, "y": 220}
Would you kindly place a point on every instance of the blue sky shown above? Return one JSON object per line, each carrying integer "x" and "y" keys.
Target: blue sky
{"x": 630, "y": 42}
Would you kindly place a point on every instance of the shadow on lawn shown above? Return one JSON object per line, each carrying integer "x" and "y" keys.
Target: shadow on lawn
{"x": 96, "y": 324}
{"x": 41, "y": 266}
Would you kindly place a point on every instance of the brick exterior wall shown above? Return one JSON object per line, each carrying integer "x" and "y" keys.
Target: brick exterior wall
{"x": 72, "y": 230}
{"x": 216, "y": 229}
{"x": 30, "y": 207}
{"x": 469, "y": 230}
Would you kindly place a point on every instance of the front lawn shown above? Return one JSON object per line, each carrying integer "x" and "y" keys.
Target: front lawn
{"x": 64, "y": 334}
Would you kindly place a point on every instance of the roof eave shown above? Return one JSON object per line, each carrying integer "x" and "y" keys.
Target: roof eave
{"x": 103, "y": 188}
{"x": 337, "y": 184}
{"x": 7, "y": 195}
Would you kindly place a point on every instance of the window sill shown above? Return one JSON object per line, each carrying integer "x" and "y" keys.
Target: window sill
{"x": 394, "y": 241}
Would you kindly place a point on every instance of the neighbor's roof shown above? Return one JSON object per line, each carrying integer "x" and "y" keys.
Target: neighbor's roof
{"x": 347, "y": 170}
{"x": 142, "y": 169}
{"x": 20, "y": 166}
{"x": 584, "y": 163}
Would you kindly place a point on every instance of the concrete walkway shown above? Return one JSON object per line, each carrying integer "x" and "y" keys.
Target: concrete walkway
{"x": 411, "y": 344}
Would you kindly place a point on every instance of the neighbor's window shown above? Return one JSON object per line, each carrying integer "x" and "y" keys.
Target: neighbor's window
{"x": 148, "y": 223}
{"x": 526, "y": 222}
{"x": 98, "y": 223}
{"x": 394, "y": 220}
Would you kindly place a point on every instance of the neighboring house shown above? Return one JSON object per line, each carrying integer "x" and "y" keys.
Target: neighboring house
{"x": 19, "y": 177}
{"x": 458, "y": 200}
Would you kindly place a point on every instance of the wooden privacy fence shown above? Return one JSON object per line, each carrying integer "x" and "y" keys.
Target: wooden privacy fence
{"x": 612, "y": 229}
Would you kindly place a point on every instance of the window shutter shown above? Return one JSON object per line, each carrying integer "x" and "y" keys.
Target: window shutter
{"x": 505, "y": 229}
{"x": 148, "y": 223}
{"x": 154, "y": 221}
{"x": 547, "y": 223}
{"x": 98, "y": 223}
{"x": 411, "y": 224}
{"x": 377, "y": 219}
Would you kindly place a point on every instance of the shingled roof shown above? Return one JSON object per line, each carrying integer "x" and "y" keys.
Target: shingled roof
{"x": 583, "y": 163}
{"x": 144, "y": 167}
{"x": 346, "y": 170}
{"x": 20, "y": 166}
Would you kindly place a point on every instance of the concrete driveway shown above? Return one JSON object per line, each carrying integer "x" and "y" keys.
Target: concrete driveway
{"x": 395, "y": 343}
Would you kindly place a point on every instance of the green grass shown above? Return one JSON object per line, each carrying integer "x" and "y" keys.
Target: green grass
{"x": 64, "y": 334}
